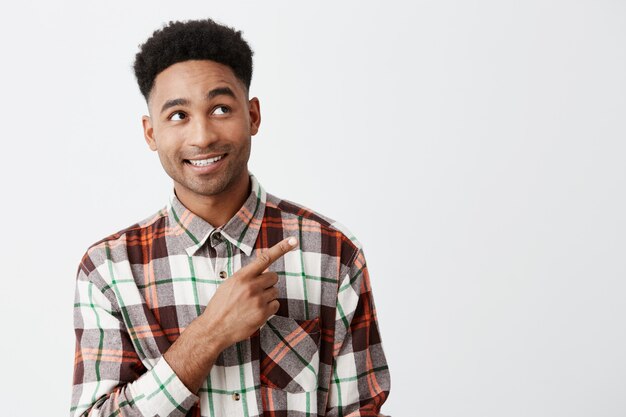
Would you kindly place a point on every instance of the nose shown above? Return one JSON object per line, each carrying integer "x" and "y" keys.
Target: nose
{"x": 201, "y": 134}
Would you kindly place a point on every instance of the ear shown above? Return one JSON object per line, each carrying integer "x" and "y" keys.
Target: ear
{"x": 148, "y": 132}
{"x": 254, "y": 109}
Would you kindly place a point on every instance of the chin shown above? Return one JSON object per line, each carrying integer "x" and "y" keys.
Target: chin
{"x": 206, "y": 191}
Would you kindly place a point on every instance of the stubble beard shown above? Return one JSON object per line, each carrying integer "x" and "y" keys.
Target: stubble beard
{"x": 214, "y": 184}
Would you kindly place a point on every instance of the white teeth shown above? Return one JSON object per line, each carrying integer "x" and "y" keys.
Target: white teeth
{"x": 205, "y": 162}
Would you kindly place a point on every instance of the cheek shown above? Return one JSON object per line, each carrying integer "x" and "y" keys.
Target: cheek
{"x": 238, "y": 126}
{"x": 168, "y": 153}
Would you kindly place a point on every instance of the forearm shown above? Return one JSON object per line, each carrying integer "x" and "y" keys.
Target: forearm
{"x": 169, "y": 388}
{"x": 110, "y": 378}
{"x": 195, "y": 351}
{"x": 156, "y": 392}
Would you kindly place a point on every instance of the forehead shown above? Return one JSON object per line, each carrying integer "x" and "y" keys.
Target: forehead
{"x": 192, "y": 79}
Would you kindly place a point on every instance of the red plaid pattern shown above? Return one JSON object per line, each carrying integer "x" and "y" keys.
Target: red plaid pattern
{"x": 138, "y": 289}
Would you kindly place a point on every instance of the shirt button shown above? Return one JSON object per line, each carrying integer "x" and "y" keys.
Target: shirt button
{"x": 216, "y": 239}
{"x": 223, "y": 274}
{"x": 236, "y": 396}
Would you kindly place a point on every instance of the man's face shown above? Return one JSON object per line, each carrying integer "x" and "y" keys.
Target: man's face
{"x": 199, "y": 110}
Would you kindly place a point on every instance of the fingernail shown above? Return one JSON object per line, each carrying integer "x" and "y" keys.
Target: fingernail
{"x": 292, "y": 241}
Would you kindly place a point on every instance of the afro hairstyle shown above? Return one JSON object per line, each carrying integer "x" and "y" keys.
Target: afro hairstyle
{"x": 192, "y": 39}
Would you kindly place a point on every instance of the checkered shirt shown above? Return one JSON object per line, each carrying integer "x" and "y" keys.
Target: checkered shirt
{"x": 138, "y": 289}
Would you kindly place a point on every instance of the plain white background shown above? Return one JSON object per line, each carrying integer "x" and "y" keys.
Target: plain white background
{"x": 477, "y": 149}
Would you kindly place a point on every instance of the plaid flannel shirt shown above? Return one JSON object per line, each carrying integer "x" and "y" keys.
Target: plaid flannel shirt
{"x": 138, "y": 289}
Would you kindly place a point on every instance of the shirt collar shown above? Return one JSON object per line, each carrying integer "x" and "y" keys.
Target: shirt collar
{"x": 241, "y": 230}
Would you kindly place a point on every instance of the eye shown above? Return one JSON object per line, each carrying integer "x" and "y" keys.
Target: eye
{"x": 221, "y": 110}
{"x": 176, "y": 116}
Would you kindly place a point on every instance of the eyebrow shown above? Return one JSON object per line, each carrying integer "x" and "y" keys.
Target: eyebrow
{"x": 219, "y": 91}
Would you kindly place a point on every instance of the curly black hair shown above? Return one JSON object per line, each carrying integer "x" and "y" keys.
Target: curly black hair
{"x": 192, "y": 39}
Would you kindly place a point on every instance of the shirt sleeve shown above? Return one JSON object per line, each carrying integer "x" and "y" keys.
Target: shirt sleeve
{"x": 360, "y": 378}
{"x": 109, "y": 377}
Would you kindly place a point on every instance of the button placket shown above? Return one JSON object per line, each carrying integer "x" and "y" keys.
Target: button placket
{"x": 220, "y": 253}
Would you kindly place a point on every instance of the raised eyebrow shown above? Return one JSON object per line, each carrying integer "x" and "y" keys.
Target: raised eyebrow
{"x": 174, "y": 102}
{"x": 220, "y": 91}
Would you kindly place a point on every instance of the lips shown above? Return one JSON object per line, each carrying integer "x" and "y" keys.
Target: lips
{"x": 205, "y": 165}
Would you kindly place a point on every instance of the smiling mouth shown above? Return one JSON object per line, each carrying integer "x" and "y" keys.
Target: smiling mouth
{"x": 205, "y": 162}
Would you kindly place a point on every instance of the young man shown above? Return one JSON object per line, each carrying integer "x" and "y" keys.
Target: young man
{"x": 229, "y": 301}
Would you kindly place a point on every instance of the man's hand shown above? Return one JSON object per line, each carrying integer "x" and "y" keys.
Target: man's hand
{"x": 247, "y": 299}
{"x": 237, "y": 309}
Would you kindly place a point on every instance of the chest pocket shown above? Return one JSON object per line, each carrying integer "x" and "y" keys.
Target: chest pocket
{"x": 289, "y": 358}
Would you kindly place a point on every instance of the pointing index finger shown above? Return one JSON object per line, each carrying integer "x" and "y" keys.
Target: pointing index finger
{"x": 269, "y": 256}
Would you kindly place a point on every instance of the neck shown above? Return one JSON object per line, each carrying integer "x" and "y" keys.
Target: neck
{"x": 216, "y": 209}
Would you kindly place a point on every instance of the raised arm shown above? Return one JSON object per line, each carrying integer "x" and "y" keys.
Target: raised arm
{"x": 109, "y": 376}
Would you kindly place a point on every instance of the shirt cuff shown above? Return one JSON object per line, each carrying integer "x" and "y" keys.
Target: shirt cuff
{"x": 159, "y": 392}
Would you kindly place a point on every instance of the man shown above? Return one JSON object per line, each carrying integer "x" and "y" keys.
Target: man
{"x": 229, "y": 301}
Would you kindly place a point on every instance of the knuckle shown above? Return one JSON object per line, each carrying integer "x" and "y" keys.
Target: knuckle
{"x": 264, "y": 258}
{"x": 248, "y": 292}
{"x": 254, "y": 289}
{"x": 269, "y": 278}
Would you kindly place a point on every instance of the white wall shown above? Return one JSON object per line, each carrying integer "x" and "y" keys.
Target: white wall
{"x": 475, "y": 148}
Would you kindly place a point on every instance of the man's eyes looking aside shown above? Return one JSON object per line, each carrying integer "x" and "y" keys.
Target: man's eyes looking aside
{"x": 179, "y": 115}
